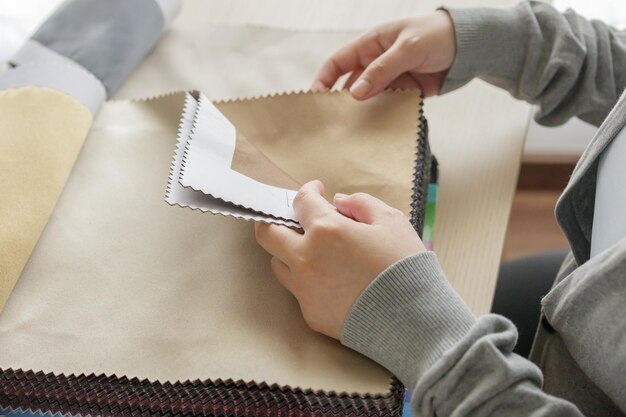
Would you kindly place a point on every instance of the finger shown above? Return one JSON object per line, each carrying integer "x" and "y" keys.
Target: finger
{"x": 341, "y": 62}
{"x": 310, "y": 204}
{"x": 278, "y": 241}
{"x": 365, "y": 208}
{"x": 318, "y": 86}
{"x": 381, "y": 72}
{"x": 352, "y": 78}
{"x": 354, "y": 56}
{"x": 282, "y": 273}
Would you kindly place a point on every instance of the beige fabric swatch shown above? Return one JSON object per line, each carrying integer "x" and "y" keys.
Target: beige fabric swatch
{"x": 122, "y": 283}
{"x": 41, "y": 133}
{"x": 369, "y": 146}
{"x": 253, "y": 163}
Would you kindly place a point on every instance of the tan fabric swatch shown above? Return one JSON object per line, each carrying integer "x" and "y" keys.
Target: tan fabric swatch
{"x": 122, "y": 283}
{"x": 41, "y": 133}
{"x": 253, "y": 163}
{"x": 351, "y": 146}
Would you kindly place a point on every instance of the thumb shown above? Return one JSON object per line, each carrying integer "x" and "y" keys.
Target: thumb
{"x": 365, "y": 208}
{"x": 380, "y": 73}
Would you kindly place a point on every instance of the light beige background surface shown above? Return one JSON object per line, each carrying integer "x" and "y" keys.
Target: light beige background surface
{"x": 322, "y": 14}
{"x": 477, "y": 132}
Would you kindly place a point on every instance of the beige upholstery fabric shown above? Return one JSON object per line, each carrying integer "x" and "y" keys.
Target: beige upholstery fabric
{"x": 122, "y": 283}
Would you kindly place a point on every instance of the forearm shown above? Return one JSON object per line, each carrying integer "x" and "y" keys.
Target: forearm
{"x": 567, "y": 65}
{"x": 412, "y": 322}
{"x": 480, "y": 376}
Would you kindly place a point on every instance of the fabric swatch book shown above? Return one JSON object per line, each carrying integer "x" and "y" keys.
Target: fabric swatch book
{"x": 128, "y": 305}
{"x": 116, "y": 302}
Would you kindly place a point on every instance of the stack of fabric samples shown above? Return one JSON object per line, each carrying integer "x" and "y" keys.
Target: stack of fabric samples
{"x": 124, "y": 305}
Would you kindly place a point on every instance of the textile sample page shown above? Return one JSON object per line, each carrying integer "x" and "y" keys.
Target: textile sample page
{"x": 130, "y": 288}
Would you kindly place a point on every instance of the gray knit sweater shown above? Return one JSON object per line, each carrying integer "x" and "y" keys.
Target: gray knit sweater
{"x": 411, "y": 321}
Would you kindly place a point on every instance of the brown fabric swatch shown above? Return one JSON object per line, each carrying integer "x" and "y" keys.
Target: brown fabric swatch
{"x": 248, "y": 160}
{"x": 349, "y": 145}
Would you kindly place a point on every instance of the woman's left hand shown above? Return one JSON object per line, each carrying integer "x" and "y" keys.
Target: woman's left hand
{"x": 343, "y": 248}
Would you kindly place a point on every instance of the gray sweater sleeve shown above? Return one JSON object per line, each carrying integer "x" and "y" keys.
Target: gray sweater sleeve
{"x": 410, "y": 320}
{"x": 567, "y": 65}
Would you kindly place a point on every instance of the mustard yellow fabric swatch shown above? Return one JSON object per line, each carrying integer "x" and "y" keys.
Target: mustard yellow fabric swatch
{"x": 41, "y": 134}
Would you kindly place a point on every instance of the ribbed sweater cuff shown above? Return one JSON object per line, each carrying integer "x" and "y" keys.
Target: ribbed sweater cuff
{"x": 407, "y": 317}
{"x": 489, "y": 42}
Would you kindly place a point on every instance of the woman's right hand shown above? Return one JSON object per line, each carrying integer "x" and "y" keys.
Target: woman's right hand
{"x": 408, "y": 53}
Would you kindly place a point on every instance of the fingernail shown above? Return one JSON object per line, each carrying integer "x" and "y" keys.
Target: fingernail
{"x": 340, "y": 196}
{"x": 360, "y": 88}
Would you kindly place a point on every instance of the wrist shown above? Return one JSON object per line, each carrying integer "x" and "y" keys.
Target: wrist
{"x": 407, "y": 317}
{"x": 488, "y": 43}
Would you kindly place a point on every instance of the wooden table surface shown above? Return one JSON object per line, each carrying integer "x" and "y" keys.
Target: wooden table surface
{"x": 477, "y": 134}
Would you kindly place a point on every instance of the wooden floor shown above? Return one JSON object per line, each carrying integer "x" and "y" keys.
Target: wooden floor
{"x": 532, "y": 226}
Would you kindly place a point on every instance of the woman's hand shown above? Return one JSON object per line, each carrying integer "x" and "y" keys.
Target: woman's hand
{"x": 408, "y": 53}
{"x": 343, "y": 248}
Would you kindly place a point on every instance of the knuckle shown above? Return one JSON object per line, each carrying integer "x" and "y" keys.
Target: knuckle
{"x": 409, "y": 42}
{"x": 379, "y": 68}
{"x": 300, "y": 263}
{"x": 324, "y": 228}
{"x": 396, "y": 216}
{"x": 307, "y": 190}
{"x": 300, "y": 197}
{"x": 334, "y": 65}
{"x": 393, "y": 213}
{"x": 317, "y": 184}
{"x": 371, "y": 36}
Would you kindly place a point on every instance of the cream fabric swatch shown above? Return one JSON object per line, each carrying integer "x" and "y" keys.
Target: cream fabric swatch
{"x": 41, "y": 133}
{"x": 122, "y": 283}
